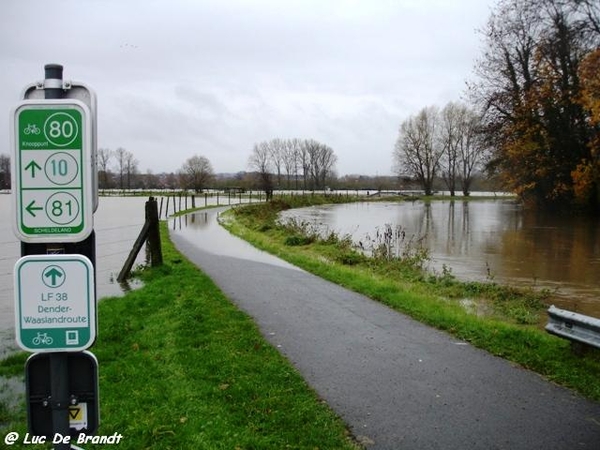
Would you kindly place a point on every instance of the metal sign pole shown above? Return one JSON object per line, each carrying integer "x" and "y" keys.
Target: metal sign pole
{"x": 59, "y": 369}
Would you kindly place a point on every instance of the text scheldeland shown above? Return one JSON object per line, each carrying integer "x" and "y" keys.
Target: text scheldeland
{"x": 52, "y": 230}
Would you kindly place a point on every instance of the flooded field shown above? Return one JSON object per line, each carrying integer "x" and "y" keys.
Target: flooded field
{"x": 485, "y": 240}
{"x": 478, "y": 240}
{"x": 117, "y": 223}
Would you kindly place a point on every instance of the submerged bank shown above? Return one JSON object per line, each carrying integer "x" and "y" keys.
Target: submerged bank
{"x": 499, "y": 319}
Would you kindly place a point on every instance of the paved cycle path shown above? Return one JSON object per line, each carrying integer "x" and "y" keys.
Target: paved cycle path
{"x": 398, "y": 384}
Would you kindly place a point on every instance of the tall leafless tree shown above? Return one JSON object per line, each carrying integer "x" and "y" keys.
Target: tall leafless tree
{"x": 5, "y": 172}
{"x": 290, "y": 158}
{"x": 450, "y": 136}
{"x": 126, "y": 168}
{"x": 463, "y": 149}
{"x": 418, "y": 151}
{"x": 321, "y": 163}
{"x": 103, "y": 160}
{"x": 473, "y": 151}
{"x": 276, "y": 147}
{"x": 261, "y": 162}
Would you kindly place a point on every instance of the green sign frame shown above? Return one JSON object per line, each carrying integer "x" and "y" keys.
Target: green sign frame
{"x": 52, "y": 170}
{"x": 55, "y": 303}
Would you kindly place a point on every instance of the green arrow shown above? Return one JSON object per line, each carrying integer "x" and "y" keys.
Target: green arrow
{"x": 31, "y": 208}
{"x": 33, "y": 165}
{"x": 53, "y": 274}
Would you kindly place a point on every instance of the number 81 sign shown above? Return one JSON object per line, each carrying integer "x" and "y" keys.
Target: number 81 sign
{"x": 52, "y": 170}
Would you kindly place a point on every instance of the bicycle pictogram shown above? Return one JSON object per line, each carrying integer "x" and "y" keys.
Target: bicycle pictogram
{"x": 31, "y": 128}
{"x": 42, "y": 339}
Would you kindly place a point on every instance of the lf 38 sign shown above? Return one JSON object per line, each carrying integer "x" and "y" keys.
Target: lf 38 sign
{"x": 52, "y": 181}
{"x": 55, "y": 306}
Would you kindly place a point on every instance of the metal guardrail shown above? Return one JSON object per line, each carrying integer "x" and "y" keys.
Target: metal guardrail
{"x": 574, "y": 326}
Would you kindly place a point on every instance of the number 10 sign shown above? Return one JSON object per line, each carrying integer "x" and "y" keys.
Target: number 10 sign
{"x": 52, "y": 171}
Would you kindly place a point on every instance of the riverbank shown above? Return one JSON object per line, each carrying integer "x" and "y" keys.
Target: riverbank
{"x": 499, "y": 319}
{"x": 181, "y": 367}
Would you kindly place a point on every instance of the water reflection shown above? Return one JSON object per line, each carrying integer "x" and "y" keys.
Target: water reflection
{"x": 195, "y": 220}
{"x": 202, "y": 230}
{"x": 483, "y": 240}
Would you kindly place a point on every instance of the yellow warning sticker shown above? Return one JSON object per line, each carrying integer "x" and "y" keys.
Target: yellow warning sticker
{"x": 78, "y": 417}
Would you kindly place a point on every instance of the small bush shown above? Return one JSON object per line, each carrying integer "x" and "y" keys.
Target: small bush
{"x": 296, "y": 240}
{"x": 350, "y": 258}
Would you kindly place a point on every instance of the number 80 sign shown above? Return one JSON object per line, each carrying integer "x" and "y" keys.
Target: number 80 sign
{"x": 52, "y": 167}
{"x": 61, "y": 129}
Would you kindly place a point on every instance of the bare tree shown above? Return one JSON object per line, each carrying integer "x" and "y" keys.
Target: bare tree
{"x": 417, "y": 151}
{"x": 473, "y": 150}
{"x": 5, "y": 172}
{"x": 126, "y": 167}
{"x": 463, "y": 148}
{"x": 276, "y": 147}
{"x": 304, "y": 160}
{"x": 450, "y": 135}
{"x": 104, "y": 176}
{"x": 197, "y": 173}
{"x": 289, "y": 156}
{"x": 131, "y": 169}
{"x": 316, "y": 160}
{"x": 321, "y": 164}
{"x": 121, "y": 157}
{"x": 260, "y": 162}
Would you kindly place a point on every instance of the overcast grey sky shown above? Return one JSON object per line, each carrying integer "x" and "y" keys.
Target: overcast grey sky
{"x": 176, "y": 78}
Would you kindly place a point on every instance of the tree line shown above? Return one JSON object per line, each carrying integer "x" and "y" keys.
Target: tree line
{"x": 119, "y": 169}
{"x": 292, "y": 164}
{"x": 442, "y": 144}
{"x": 276, "y": 164}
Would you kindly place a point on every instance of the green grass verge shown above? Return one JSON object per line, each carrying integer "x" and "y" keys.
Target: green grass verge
{"x": 509, "y": 328}
{"x": 182, "y": 368}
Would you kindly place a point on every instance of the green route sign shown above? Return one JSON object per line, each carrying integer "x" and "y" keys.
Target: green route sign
{"x": 55, "y": 303}
{"x": 52, "y": 171}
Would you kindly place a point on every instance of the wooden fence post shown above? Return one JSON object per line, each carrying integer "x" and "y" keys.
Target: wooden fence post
{"x": 156, "y": 258}
{"x": 151, "y": 233}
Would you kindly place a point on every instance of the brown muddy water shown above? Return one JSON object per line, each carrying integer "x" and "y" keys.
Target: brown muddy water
{"x": 493, "y": 240}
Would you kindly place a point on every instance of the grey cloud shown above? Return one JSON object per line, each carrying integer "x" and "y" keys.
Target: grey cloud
{"x": 216, "y": 76}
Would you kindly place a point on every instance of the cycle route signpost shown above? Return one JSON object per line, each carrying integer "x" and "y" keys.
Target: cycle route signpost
{"x": 52, "y": 168}
{"x": 54, "y": 190}
{"x": 55, "y": 307}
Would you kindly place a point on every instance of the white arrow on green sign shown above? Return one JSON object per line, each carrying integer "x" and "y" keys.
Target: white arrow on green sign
{"x": 55, "y": 303}
{"x": 52, "y": 170}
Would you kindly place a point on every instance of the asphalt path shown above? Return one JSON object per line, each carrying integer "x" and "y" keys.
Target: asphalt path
{"x": 398, "y": 384}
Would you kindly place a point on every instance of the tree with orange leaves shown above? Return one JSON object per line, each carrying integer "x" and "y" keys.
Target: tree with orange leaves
{"x": 536, "y": 119}
{"x": 586, "y": 176}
